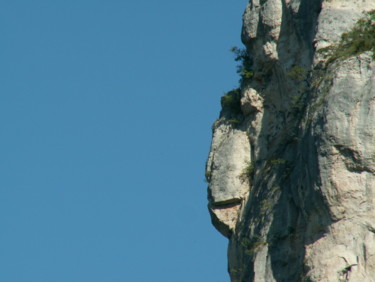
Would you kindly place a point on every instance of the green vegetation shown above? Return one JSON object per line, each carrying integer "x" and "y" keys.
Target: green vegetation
{"x": 237, "y": 273}
{"x": 232, "y": 101}
{"x": 298, "y": 73}
{"x": 253, "y": 245}
{"x": 245, "y": 68}
{"x": 234, "y": 121}
{"x": 317, "y": 77}
{"x": 278, "y": 162}
{"x": 275, "y": 189}
{"x": 249, "y": 169}
{"x": 266, "y": 205}
{"x": 207, "y": 175}
{"x": 325, "y": 85}
{"x": 286, "y": 173}
{"x": 360, "y": 39}
{"x": 298, "y": 103}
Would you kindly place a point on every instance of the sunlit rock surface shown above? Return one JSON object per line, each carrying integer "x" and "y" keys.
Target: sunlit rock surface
{"x": 292, "y": 180}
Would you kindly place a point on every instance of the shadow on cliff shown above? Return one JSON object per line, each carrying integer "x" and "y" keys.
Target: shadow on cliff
{"x": 300, "y": 216}
{"x": 287, "y": 191}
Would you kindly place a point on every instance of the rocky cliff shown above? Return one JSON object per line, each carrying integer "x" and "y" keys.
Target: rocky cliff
{"x": 291, "y": 169}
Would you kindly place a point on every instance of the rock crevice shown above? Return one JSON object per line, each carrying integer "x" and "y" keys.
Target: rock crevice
{"x": 291, "y": 169}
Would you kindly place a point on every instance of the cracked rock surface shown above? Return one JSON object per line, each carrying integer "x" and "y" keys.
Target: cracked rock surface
{"x": 292, "y": 180}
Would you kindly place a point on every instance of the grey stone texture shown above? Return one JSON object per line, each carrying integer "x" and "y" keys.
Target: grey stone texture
{"x": 307, "y": 210}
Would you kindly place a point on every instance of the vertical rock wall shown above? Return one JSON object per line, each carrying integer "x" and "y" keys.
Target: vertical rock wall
{"x": 292, "y": 181}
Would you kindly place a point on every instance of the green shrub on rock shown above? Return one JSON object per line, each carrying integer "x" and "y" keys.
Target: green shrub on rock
{"x": 232, "y": 101}
{"x": 360, "y": 39}
{"x": 298, "y": 73}
{"x": 245, "y": 68}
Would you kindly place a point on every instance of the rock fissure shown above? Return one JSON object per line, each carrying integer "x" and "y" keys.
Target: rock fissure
{"x": 291, "y": 169}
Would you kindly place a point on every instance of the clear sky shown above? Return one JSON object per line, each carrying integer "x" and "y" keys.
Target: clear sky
{"x": 106, "y": 109}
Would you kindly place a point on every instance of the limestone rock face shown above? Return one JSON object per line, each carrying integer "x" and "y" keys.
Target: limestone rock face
{"x": 292, "y": 181}
{"x": 228, "y": 186}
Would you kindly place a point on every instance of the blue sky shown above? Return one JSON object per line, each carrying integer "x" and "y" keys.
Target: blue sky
{"x": 105, "y": 116}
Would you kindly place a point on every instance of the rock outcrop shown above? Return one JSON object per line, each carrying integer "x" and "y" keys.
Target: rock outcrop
{"x": 291, "y": 169}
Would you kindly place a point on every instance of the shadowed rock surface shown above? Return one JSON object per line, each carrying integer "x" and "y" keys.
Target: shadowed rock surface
{"x": 292, "y": 173}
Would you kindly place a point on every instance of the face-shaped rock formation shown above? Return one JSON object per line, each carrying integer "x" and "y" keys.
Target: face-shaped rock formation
{"x": 292, "y": 172}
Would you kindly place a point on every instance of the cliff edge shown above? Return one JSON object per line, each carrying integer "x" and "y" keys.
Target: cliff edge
{"x": 291, "y": 169}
